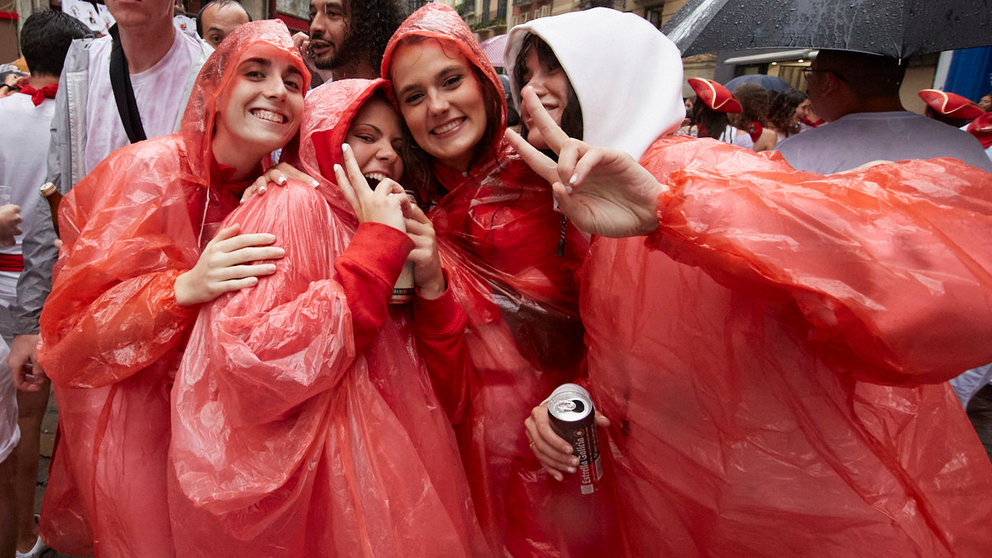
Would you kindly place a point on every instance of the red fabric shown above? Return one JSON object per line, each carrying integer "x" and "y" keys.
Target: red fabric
{"x": 812, "y": 124}
{"x": 38, "y": 96}
{"x": 111, "y": 330}
{"x": 499, "y": 238}
{"x": 770, "y": 358}
{"x": 11, "y": 262}
{"x": 715, "y": 96}
{"x": 755, "y": 132}
{"x": 304, "y": 420}
{"x": 981, "y": 128}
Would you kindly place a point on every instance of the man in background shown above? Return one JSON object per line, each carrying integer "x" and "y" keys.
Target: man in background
{"x": 218, "y": 18}
{"x": 858, "y": 94}
{"x": 347, "y": 38}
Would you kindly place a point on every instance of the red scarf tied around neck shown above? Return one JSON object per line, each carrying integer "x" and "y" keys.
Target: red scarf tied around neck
{"x": 38, "y": 96}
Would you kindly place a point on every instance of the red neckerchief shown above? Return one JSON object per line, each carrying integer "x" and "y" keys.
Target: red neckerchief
{"x": 38, "y": 96}
{"x": 981, "y": 128}
{"x": 812, "y": 124}
{"x": 755, "y": 131}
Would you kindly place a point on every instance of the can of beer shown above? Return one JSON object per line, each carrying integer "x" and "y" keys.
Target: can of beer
{"x": 573, "y": 418}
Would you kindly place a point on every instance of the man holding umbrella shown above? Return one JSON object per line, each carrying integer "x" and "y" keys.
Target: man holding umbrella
{"x": 859, "y": 95}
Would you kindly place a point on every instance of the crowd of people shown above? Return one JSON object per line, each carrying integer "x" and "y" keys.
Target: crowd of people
{"x": 307, "y": 295}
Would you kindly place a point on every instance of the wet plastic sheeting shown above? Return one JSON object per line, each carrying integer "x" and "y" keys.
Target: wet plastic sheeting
{"x": 897, "y": 28}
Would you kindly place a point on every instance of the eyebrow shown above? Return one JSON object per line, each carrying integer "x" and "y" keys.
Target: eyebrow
{"x": 373, "y": 126}
{"x": 446, "y": 70}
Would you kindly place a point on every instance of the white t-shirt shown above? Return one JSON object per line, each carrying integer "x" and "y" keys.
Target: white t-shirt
{"x": 23, "y": 159}
{"x": 158, "y": 92}
{"x": 859, "y": 138}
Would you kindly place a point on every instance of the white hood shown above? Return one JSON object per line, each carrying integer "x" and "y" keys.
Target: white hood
{"x": 626, "y": 74}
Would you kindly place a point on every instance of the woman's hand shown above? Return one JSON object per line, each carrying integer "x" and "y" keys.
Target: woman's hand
{"x": 229, "y": 262}
{"x": 554, "y": 453}
{"x": 427, "y": 273}
{"x": 382, "y": 205}
{"x": 603, "y": 191}
{"x": 278, "y": 175}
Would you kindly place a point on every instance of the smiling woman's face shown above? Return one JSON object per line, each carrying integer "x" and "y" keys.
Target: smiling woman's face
{"x": 376, "y": 139}
{"x": 441, "y": 101}
{"x": 263, "y": 109}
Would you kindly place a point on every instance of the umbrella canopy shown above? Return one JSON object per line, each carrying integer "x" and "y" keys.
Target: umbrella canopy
{"x": 896, "y": 28}
{"x": 493, "y": 48}
{"x": 769, "y": 83}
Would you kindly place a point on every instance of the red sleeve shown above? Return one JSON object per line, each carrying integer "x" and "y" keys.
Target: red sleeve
{"x": 367, "y": 270}
{"x": 112, "y": 311}
{"x": 439, "y": 329}
{"x": 888, "y": 267}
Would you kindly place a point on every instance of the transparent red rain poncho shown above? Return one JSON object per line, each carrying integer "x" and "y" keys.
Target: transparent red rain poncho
{"x": 302, "y": 425}
{"x": 773, "y": 358}
{"x": 112, "y": 333}
{"x": 512, "y": 263}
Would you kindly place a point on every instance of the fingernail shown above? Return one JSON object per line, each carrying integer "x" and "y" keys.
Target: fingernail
{"x": 566, "y": 448}
{"x": 575, "y": 461}
{"x": 314, "y": 183}
{"x": 556, "y": 205}
{"x": 337, "y": 167}
{"x": 261, "y": 189}
{"x": 568, "y": 189}
{"x": 571, "y": 469}
{"x": 574, "y": 179}
{"x": 345, "y": 147}
{"x": 281, "y": 180}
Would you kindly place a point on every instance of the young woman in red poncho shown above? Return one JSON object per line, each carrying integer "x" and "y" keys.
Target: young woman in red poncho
{"x": 771, "y": 346}
{"x": 304, "y": 423}
{"x": 141, "y": 252}
{"x": 512, "y": 263}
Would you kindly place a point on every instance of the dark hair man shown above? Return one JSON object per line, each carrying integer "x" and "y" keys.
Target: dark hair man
{"x": 218, "y": 18}
{"x": 859, "y": 95}
{"x": 349, "y": 37}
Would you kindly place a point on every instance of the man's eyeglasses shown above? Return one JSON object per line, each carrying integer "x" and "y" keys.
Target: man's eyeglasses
{"x": 808, "y": 71}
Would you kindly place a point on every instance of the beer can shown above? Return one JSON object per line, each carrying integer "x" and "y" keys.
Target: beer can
{"x": 572, "y": 417}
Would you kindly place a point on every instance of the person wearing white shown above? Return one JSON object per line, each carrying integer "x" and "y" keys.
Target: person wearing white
{"x": 858, "y": 95}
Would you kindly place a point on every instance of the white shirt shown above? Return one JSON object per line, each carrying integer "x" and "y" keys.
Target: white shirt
{"x": 23, "y": 159}
{"x": 158, "y": 92}
{"x": 859, "y": 138}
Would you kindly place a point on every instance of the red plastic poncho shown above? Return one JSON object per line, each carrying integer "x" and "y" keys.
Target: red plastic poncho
{"x": 111, "y": 331}
{"x": 304, "y": 423}
{"x": 512, "y": 262}
{"x": 768, "y": 360}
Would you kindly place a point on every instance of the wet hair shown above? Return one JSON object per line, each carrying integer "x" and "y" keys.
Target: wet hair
{"x": 709, "y": 122}
{"x": 754, "y": 104}
{"x": 45, "y": 40}
{"x": 571, "y": 117}
{"x": 782, "y": 108}
{"x": 220, "y": 4}
{"x": 371, "y": 24}
{"x": 868, "y": 75}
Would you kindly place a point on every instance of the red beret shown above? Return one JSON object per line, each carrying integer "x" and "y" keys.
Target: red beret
{"x": 714, "y": 95}
{"x": 950, "y": 104}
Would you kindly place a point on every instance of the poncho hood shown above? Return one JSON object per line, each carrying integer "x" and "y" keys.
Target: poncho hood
{"x": 442, "y": 23}
{"x": 269, "y": 38}
{"x": 626, "y": 104}
{"x": 330, "y": 110}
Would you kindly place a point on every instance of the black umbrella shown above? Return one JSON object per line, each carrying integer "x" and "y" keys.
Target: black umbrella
{"x": 897, "y": 28}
